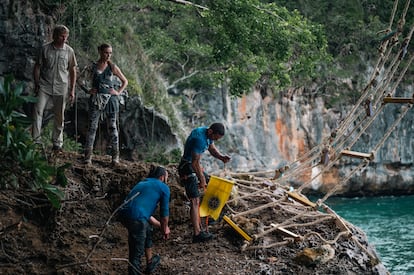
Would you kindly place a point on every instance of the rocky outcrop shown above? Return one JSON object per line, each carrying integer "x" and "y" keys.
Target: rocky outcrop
{"x": 22, "y": 30}
{"x": 267, "y": 132}
{"x": 141, "y": 129}
{"x": 60, "y": 242}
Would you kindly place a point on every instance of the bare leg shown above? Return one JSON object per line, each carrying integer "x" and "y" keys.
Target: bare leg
{"x": 148, "y": 255}
{"x": 195, "y": 215}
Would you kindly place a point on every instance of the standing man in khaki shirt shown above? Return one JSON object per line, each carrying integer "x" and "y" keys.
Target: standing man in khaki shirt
{"x": 54, "y": 78}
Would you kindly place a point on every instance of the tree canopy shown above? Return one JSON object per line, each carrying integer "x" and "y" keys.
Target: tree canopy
{"x": 238, "y": 44}
{"x": 203, "y": 44}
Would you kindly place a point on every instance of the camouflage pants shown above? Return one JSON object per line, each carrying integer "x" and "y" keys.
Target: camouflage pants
{"x": 111, "y": 118}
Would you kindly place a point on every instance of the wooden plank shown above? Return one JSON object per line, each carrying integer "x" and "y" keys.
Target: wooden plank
{"x": 286, "y": 232}
{"x": 389, "y": 99}
{"x": 355, "y": 154}
{"x": 301, "y": 199}
{"x": 237, "y": 228}
{"x": 338, "y": 220}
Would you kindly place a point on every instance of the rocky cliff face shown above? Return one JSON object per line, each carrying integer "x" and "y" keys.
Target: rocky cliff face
{"x": 264, "y": 132}
{"x": 22, "y": 30}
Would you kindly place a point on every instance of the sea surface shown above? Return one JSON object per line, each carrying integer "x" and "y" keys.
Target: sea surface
{"x": 389, "y": 225}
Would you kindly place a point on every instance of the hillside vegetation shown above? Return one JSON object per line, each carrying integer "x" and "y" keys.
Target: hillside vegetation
{"x": 239, "y": 44}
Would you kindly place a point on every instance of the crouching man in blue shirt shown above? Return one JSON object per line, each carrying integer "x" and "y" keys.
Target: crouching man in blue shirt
{"x": 140, "y": 204}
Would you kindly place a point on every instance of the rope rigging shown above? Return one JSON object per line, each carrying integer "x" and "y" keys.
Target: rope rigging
{"x": 276, "y": 194}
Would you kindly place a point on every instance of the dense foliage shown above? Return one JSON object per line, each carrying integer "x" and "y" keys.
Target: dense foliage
{"x": 239, "y": 43}
{"x": 235, "y": 43}
{"x": 354, "y": 31}
{"x": 23, "y": 164}
{"x": 354, "y": 27}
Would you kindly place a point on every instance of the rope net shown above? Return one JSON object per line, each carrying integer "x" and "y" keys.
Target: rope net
{"x": 258, "y": 196}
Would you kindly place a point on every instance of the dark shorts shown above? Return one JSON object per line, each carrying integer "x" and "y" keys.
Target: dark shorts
{"x": 191, "y": 186}
{"x": 189, "y": 179}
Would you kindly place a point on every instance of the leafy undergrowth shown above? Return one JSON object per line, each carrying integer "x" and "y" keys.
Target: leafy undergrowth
{"x": 82, "y": 238}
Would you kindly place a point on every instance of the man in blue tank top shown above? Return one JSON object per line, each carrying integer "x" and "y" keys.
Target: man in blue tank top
{"x": 136, "y": 214}
{"x": 200, "y": 140}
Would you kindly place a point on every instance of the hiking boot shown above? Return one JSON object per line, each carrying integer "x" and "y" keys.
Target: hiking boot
{"x": 202, "y": 237}
{"x": 155, "y": 261}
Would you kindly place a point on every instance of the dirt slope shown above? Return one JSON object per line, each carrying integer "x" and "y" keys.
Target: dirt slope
{"x": 80, "y": 238}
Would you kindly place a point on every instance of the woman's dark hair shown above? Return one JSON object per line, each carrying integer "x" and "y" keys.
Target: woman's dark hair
{"x": 156, "y": 172}
{"x": 217, "y": 128}
{"x": 102, "y": 47}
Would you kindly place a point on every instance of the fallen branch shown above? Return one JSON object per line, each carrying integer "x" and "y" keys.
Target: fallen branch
{"x": 99, "y": 237}
{"x": 107, "y": 223}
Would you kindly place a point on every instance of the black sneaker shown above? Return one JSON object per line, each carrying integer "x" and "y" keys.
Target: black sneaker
{"x": 155, "y": 261}
{"x": 202, "y": 237}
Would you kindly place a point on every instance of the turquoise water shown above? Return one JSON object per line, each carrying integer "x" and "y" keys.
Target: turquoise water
{"x": 389, "y": 225}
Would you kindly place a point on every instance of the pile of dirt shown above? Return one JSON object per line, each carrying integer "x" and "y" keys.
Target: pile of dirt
{"x": 84, "y": 238}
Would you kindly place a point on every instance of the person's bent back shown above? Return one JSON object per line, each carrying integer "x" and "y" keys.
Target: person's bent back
{"x": 137, "y": 212}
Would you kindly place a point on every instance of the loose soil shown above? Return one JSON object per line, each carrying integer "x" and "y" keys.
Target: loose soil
{"x": 84, "y": 237}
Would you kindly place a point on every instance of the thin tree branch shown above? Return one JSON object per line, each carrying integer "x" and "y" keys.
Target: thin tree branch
{"x": 183, "y": 2}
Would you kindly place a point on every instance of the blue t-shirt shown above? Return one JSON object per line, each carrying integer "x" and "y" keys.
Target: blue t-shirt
{"x": 151, "y": 191}
{"x": 197, "y": 142}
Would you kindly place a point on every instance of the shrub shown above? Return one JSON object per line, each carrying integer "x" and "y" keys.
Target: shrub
{"x": 23, "y": 166}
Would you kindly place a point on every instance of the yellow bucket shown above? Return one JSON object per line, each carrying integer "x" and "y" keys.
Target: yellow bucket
{"x": 217, "y": 193}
